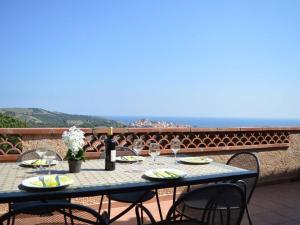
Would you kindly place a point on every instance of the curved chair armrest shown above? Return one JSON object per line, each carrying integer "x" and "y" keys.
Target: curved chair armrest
{"x": 145, "y": 210}
{"x": 243, "y": 184}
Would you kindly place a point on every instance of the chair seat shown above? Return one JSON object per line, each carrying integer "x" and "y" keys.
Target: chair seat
{"x": 18, "y": 205}
{"x": 132, "y": 197}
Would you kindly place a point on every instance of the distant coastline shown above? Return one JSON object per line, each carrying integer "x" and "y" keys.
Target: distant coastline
{"x": 38, "y": 117}
{"x": 211, "y": 122}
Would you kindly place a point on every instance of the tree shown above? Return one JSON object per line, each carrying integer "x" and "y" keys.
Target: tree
{"x": 11, "y": 122}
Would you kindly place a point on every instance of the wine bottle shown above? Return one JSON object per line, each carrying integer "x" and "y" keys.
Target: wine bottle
{"x": 110, "y": 151}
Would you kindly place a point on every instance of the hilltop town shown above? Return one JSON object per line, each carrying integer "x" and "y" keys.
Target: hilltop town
{"x": 146, "y": 123}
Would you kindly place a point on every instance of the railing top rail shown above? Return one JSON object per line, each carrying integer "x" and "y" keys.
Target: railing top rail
{"x": 28, "y": 131}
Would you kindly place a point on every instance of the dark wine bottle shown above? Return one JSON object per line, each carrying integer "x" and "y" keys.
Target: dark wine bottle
{"x": 110, "y": 151}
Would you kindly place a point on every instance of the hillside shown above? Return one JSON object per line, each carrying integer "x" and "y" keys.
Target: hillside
{"x": 36, "y": 117}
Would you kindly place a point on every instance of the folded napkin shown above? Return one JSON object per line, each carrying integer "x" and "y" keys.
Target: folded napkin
{"x": 166, "y": 174}
{"x": 131, "y": 158}
{"x": 38, "y": 162}
{"x": 197, "y": 159}
{"x": 51, "y": 181}
{"x": 128, "y": 158}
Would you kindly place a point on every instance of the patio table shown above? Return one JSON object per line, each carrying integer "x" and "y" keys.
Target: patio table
{"x": 93, "y": 180}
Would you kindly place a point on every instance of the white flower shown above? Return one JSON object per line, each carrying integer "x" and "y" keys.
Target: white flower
{"x": 74, "y": 139}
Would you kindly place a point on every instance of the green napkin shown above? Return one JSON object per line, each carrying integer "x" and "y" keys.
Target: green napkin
{"x": 128, "y": 158}
{"x": 39, "y": 162}
{"x": 166, "y": 174}
{"x": 131, "y": 158}
{"x": 197, "y": 159}
{"x": 51, "y": 181}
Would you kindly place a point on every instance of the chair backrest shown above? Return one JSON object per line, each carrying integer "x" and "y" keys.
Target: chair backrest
{"x": 212, "y": 205}
{"x": 249, "y": 161}
{"x": 62, "y": 213}
{"x": 33, "y": 154}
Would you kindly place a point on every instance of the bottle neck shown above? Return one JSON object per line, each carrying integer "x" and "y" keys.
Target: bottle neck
{"x": 110, "y": 132}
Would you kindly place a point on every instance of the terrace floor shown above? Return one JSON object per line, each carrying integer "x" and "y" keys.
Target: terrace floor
{"x": 273, "y": 204}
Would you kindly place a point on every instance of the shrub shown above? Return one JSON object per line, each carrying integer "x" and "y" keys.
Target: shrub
{"x": 11, "y": 122}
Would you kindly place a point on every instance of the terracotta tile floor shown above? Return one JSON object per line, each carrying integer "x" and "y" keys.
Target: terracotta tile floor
{"x": 275, "y": 204}
{"x": 271, "y": 205}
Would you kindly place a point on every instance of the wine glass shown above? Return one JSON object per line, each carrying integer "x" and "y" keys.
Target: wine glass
{"x": 175, "y": 147}
{"x": 41, "y": 153}
{"x": 49, "y": 159}
{"x": 154, "y": 151}
{"x": 137, "y": 146}
{"x": 202, "y": 150}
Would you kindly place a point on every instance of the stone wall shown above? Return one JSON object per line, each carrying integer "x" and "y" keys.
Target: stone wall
{"x": 276, "y": 165}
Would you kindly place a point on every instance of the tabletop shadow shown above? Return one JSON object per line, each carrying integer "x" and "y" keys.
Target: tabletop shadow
{"x": 27, "y": 189}
{"x": 188, "y": 163}
{"x": 162, "y": 179}
{"x": 93, "y": 169}
{"x": 45, "y": 172}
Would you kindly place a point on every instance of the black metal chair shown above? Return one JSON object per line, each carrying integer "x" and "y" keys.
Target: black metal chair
{"x": 186, "y": 210}
{"x": 133, "y": 198}
{"x": 249, "y": 161}
{"x": 61, "y": 213}
{"x": 33, "y": 155}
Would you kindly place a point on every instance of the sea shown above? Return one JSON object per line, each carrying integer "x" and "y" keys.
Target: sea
{"x": 214, "y": 122}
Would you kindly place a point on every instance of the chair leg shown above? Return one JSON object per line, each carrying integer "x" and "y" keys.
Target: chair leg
{"x": 174, "y": 195}
{"x": 70, "y": 213}
{"x": 142, "y": 214}
{"x": 109, "y": 208}
{"x": 221, "y": 217}
{"x": 158, "y": 204}
{"x": 9, "y": 210}
{"x": 71, "y": 217}
{"x": 65, "y": 218}
{"x": 13, "y": 220}
{"x": 100, "y": 204}
{"x": 248, "y": 215}
{"x": 174, "y": 198}
{"x": 188, "y": 188}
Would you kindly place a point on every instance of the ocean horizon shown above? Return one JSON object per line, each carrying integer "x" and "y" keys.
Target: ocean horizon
{"x": 213, "y": 122}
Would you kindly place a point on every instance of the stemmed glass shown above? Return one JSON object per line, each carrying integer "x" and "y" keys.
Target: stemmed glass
{"x": 49, "y": 159}
{"x": 175, "y": 147}
{"x": 137, "y": 146}
{"x": 41, "y": 153}
{"x": 154, "y": 151}
{"x": 202, "y": 150}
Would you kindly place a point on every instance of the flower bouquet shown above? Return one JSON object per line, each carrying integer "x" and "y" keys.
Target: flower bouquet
{"x": 74, "y": 140}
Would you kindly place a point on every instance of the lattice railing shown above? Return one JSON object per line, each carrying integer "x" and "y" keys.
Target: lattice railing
{"x": 195, "y": 140}
{"x": 10, "y": 144}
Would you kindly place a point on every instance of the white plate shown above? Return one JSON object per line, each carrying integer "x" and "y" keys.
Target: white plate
{"x": 165, "y": 173}
{"x": 48, "y": 181}
{"x": 196, "y": 160}
{"x": 38, "y": 162}
{"x": 130, "y": 159}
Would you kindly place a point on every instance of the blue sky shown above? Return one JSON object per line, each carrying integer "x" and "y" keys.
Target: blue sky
{"x": 158, "y": 57}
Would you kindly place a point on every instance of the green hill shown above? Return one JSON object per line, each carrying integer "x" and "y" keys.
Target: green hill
{"x": 35, "y": 117}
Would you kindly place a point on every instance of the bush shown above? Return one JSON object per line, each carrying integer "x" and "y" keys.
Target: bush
{"x": 11, "y": 122}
